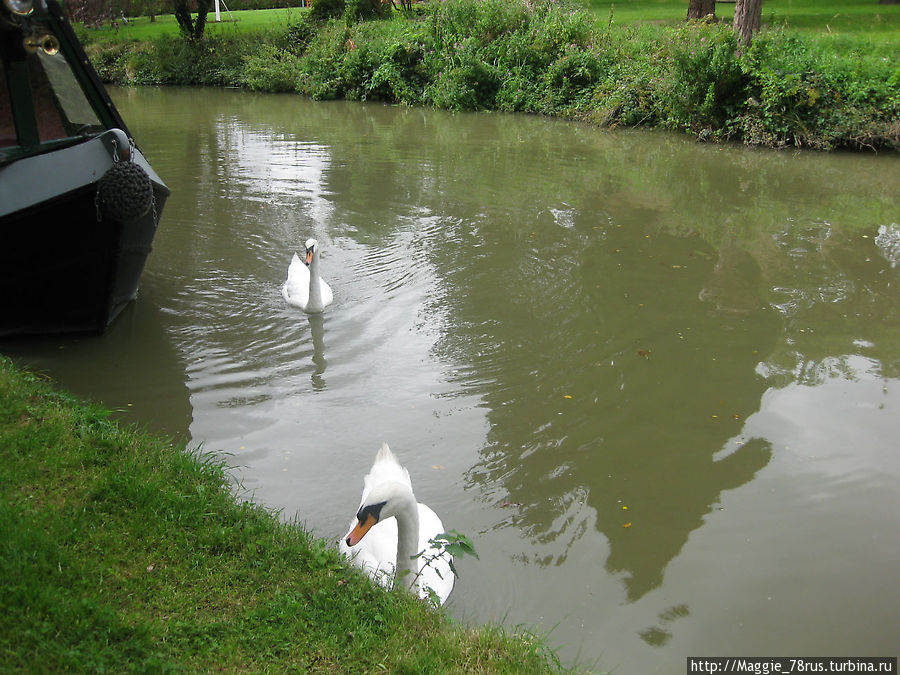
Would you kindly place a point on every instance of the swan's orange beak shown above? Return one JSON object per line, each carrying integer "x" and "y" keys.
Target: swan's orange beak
{"x": 309, "y": 256}
{"x": 360, "y": 529}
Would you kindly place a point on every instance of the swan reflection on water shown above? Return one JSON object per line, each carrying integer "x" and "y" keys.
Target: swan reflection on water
{"x": 317, "y": 330}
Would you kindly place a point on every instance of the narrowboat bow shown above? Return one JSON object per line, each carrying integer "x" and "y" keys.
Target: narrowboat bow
{"x": 79, "y": 204}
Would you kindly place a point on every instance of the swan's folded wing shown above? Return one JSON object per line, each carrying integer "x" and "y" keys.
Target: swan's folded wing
{"x": 327, "y": 295}
{"x": 295, "y": 290}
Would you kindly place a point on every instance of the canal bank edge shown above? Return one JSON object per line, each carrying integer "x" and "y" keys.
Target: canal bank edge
{"x": 121, "y": 549}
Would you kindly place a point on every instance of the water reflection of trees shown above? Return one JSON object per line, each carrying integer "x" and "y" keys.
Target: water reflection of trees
{"x": 608, "y": 381}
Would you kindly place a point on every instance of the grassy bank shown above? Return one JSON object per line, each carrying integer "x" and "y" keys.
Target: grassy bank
{"x": 790, "y": 88}
{"x": 120, "y": 552}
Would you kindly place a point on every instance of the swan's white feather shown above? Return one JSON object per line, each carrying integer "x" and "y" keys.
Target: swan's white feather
{"x": 295, "y": 289}
{"x": 376, "y": 553}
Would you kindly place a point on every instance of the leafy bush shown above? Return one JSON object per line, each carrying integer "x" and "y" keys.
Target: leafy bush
{"x": 706, "y": 85}
{"x": 319, "y": 73}
{"x": 404, "y": 70}
{"x": 804, "y": 93}
{"x": 571, "y": 79}
{"x": 323, "y": 10}
{"x": 365, "y": 10}
{"x": 518, "y": 90}
{"x": 467, "y": 82}
{"x": 271, "y": 69}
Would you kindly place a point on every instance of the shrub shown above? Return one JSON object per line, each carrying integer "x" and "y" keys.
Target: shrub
{"x": 705, "y": 84}
{"x": 571, "y": 79}
{"x": 300, "y": 35}
{"x": 323, "y": 10}
{"x": 365, "y": 10}
{"x": 404, "y": 71}
{"x": 518, "y": 90}
{"x": 557, "y": 26}
{"x": 271, "y": 69}
{"x": 319, "y": 73}
{"x": 467, "y": 82}
{"x": 805, "y": 93}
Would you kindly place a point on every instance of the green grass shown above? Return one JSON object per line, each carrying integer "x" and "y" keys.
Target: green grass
{"x": 120, "y": 552}
{"x": 140, "y": 28}
{"x": 862, "y": 18}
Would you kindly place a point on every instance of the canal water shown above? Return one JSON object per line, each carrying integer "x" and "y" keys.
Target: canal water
{"x": 656, "y": 382}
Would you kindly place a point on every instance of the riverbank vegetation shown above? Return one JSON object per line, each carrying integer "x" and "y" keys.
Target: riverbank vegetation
{"x": 120, "y": 552}
{"x": 789, "y": 88}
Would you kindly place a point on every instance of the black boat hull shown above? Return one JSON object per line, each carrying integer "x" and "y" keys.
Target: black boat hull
{"x": 63, "y": 271}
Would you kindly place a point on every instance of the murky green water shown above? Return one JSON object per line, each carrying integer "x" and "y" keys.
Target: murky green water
{"x": 656, "y": 382}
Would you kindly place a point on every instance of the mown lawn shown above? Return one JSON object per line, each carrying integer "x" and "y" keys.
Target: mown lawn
{"x": 140, "y": 28}
{"x": 862, "y": 18}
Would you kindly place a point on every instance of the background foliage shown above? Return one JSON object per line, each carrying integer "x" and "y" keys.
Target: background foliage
{"x": 549, "y": 57}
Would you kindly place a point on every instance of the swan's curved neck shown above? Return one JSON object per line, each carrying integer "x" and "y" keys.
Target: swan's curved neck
{"x": 408, "y": 541}
{"x": 315, "y": 286}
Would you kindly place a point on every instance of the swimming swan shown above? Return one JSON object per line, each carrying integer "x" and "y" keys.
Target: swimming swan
{"x": 391, "y": 526}
{"x": 304, "y": 287}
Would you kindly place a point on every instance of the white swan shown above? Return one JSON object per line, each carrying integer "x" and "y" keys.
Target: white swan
{"x": 391, "y": 526}
{"x": 304, "y": 287}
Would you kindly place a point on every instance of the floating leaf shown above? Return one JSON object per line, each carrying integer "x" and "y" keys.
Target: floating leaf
{"x": 627, "y": 525}
{"x": 567, "y": 396}
{"x": 644, "y": 352}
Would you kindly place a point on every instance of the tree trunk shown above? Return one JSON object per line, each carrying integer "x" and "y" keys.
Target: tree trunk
{"x": 192, "y": 30}
{"x": 699, "y": 9}
{"x": 747, "y": 17}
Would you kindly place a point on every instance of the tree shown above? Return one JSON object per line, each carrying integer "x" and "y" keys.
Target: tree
{"x": 700, "y": 9}
{"x": 92, "y": 13}
{"x": 192, "y": 30}
{"x": 747, "y": 17}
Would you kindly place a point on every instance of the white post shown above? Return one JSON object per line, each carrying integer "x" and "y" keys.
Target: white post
{"x": 218, "y": 16}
